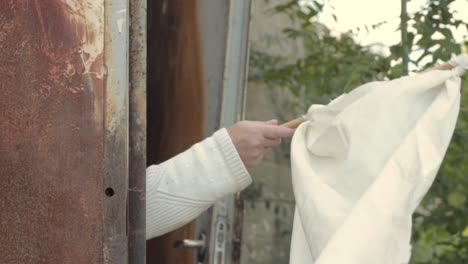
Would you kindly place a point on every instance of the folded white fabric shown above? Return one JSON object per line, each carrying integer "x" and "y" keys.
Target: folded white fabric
{"x": 362, "y": 164}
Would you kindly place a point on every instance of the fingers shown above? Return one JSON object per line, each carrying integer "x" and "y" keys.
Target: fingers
{"x": 253, "y": 139}
{"x": 274, "y": 132}
{"x": 257, "y": 159}
{"x": 269, "y": 143}
{"x": 273, "y": 122}
{"x": 254, "y": 156}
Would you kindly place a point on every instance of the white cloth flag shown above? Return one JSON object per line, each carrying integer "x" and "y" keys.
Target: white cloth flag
{"x": 362, "y": 164}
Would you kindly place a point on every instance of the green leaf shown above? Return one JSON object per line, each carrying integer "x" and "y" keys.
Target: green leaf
{"x": 457, "y": 199}
{"x": 285, "y": 7}
{"x": 396, "y": 50}
{"x": 465, "y": 232}
{"x": 447, "y": 33}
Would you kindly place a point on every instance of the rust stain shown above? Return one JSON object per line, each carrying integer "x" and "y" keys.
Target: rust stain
{"x": 137, "y": 136}
{"x": 51, "y": 138}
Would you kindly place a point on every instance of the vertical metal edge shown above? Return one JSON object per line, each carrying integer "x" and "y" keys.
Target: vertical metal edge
{"x": 115, "y": 180}
{"x": 212, "y": 20}
{"x": 238, "y": 219}
{"x": 137, "y": 138}
{"x": 227, "y": 219}
{"x": 246, "y": 47}
{"x": 237, "y": 229}
{"x": 235, "y": 62}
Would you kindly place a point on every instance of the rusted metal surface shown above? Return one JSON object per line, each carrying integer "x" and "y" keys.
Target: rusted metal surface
{"x": 51, "y": 131}
{"x": 115, "y": 178}
{"x": 63, "y": 131}
{"x": 137, "y": 139}
{"x": 237, "y": 232}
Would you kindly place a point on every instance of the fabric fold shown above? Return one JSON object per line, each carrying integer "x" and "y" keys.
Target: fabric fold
{"x": 362, "y": 164}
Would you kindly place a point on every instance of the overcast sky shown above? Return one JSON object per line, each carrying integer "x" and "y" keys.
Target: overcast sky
{"x": 352, "y": 14}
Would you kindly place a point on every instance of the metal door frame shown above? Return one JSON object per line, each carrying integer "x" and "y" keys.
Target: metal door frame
{"x": 225, "y": 92}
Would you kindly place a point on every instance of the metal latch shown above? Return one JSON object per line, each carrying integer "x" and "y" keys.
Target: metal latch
{"x": 200, "y": 245}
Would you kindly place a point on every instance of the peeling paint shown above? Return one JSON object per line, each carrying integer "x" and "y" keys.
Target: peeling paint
{"x": 120, "y": 24}
{"x": 116, "y": 134}
{"x": 51, "y": 131}
{"x": 63, "y": 131}
{"x": 90, "y": 14}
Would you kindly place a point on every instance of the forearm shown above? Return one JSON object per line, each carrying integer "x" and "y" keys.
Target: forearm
{"x": 181, "y": 188}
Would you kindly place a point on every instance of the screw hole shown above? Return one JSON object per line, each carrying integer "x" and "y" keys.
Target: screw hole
{"x": 109, "y": 192}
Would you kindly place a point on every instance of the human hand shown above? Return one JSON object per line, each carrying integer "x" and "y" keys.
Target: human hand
{"x": 253, "y": 139}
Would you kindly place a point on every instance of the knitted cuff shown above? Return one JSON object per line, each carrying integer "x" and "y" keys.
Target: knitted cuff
{"x": 232, "y": 158}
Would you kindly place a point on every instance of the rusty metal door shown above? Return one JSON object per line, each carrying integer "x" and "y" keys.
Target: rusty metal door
{"x": 64, "y": 133}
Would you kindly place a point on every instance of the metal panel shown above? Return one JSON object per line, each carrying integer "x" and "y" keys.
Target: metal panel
{"x": 137, "y": 140}
{"x": 212, "y": 16}
{"x": 115, "y": 178}
{"x": 235, "y": 65}
{"x": 227, "y": 214}
{"x": 51, "y": 133}
{"x": 213, "y": 21}
{"x": 63, "y": 131}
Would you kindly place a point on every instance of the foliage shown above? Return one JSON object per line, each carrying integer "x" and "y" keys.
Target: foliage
{"x": 333, "y": 65}
{"x": 330, "y": 66}
{"x": 430, "y": 35}
{"x": 441, "y": 224}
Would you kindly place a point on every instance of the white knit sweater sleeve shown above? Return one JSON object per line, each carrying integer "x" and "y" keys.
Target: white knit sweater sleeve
{"x": 180, "y": 189}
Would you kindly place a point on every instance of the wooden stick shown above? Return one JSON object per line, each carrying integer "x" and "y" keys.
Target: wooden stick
{"x": 444, "y": 66}
{"x": 296, "y": 122}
